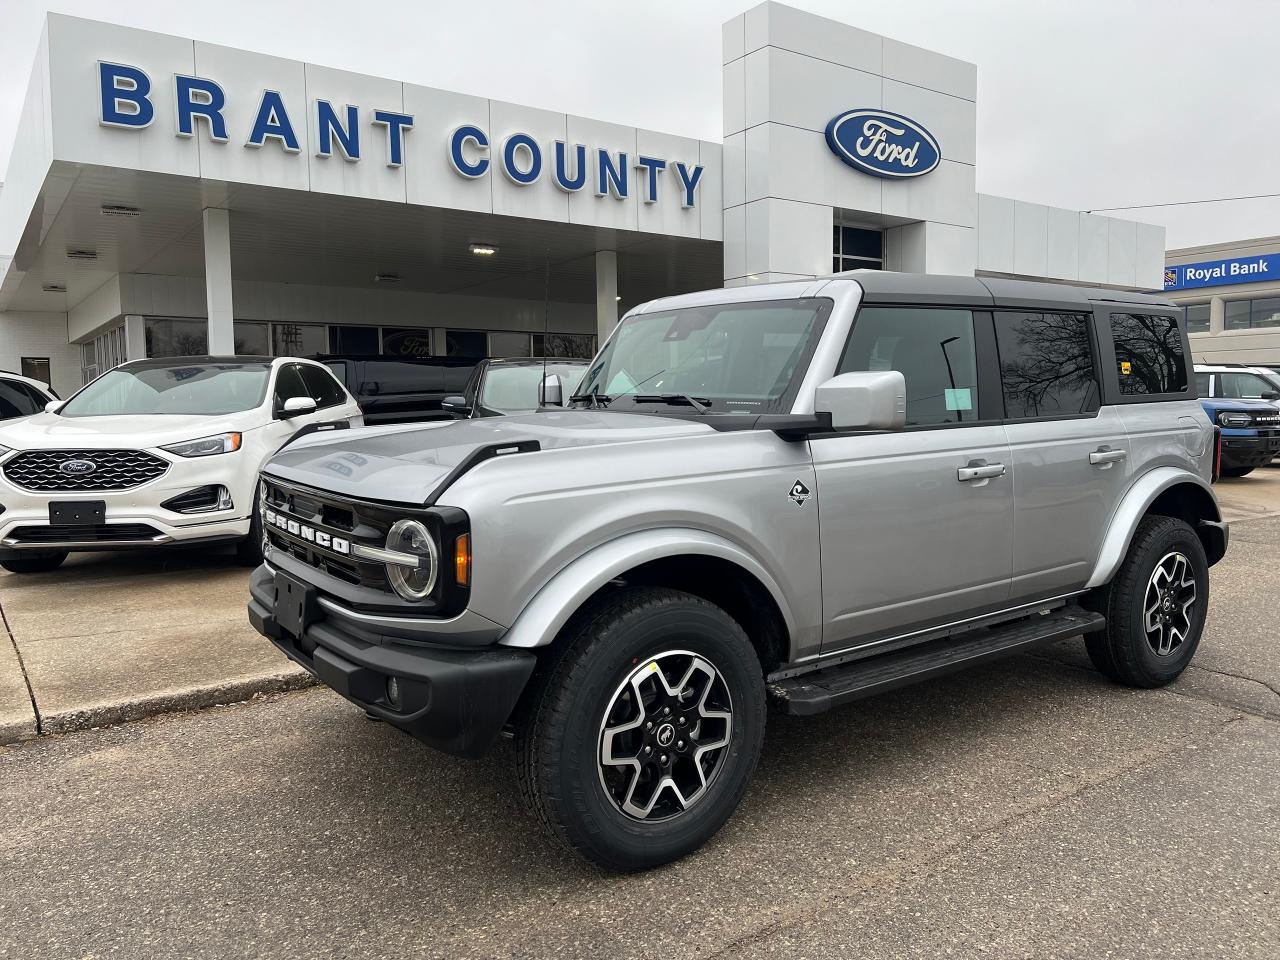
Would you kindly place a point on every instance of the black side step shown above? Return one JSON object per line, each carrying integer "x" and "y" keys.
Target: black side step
{"x": 820, "y": 691}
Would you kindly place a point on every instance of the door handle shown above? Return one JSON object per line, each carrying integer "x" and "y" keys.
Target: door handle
{"x": 1105, "y": 456}
{"x": 979, "y": 470}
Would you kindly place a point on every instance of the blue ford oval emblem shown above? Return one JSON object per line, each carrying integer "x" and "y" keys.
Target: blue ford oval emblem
{"x": 883, "y": 144}
{"x": 77, "y": 467}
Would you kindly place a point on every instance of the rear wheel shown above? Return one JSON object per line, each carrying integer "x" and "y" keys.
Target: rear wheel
{"x": 1237, "y": 471}
{"x": 35, "y": 561}
{"x": 645, "y": 731}
{"x": 1155, "y": 606}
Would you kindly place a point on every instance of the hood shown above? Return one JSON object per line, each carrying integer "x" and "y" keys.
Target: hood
{"x": 47, "y": 431}
{"x": 407, "y": 463}
{"x": 1247, "y": 405}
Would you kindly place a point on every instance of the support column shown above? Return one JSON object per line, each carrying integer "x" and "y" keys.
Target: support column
{"x": 217, "y": 281}
{"x": 1217, "y": 315}
{"x": 606, "y": 293}
{"x": 135, "y": 337}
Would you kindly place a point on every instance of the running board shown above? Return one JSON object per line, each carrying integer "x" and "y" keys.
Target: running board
{"x": 820, "y": 691}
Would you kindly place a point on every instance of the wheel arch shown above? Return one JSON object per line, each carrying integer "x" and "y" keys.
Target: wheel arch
{"x": 696, "y": 561}
{"x": 1165, "y": 491}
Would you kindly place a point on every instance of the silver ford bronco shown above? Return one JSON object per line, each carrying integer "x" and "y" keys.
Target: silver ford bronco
{"x": 797, "y": 493}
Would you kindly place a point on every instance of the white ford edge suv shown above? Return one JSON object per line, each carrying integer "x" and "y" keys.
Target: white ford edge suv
{"x": 157, "y": 452}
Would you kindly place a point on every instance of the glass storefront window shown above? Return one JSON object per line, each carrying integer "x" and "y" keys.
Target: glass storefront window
{"x": 1237, "y": 314}
{"x": 506, "y": 343}
{"x": 856, "y": 248}
{"x": 1265, "y": 313}
{"x": 1198, "y": 318}
{"x": 299, "y": 339}
{"x": 251, "y": 339}
{"x": 406, "y": 342}
{"x": 174, "y": 337}
{"x": 466, "y": 343}
{"x": 354, "y": 341}
{"x": 580, "y": 346}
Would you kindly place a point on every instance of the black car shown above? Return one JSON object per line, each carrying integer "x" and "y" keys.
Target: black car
{"x": 401, "y": 389}
{"x": 499, "y": 388}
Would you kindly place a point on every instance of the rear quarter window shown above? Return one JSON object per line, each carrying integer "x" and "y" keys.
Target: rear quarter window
{"x": 1150, "y": 360}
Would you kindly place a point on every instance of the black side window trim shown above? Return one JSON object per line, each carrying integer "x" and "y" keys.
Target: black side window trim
{"x": 1094, "y": 351}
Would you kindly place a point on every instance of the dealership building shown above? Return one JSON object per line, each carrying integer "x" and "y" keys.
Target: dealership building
{"x": 168, "y": 196}
{"x": 1231, "y": 294}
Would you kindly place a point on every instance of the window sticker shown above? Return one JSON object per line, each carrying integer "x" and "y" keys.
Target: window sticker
{"x": 959, "y": 399}
{"x": 1126, "y": 367}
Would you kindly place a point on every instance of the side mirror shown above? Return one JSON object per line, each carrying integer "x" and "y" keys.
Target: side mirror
{"x": 1271, "y": 395}
{"x": 296, "y": 406}
{"x": 870, "y": 400}
{"x": 457, "y": 406}
{"x": 53, "y": 406}
{"x": 549, "y": 393}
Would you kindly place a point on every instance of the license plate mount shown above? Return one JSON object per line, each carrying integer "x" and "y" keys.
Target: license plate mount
{"x": 77, "y": 513}
{"x": 296, "y": 607}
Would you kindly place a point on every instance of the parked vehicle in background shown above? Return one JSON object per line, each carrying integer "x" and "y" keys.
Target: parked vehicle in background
{"x": 21, "y": 396}
{"x": 499, "y": 388}
{"x": 1239, "y": 399}
{"x": 157, "y": 452}
{"x": 401, "y": 389}
{"x": 812, "y": 492}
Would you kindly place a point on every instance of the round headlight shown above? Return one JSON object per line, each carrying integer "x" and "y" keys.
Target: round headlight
{"x": 410, "y": 536}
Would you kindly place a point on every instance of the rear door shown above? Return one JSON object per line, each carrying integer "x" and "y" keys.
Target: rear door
{"x": 1070, "y": 453}
{"x": 917, "y": 524}
{"x": 400, "y": 390}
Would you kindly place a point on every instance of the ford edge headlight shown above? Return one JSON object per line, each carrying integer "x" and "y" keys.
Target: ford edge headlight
{"x": 1234, "y": 419}
{"x": 206, "y": 446}
{"x": 412, "y": 539}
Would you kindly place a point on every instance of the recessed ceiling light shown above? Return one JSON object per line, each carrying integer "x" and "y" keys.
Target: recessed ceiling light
{"x": 119, "y": 210}
{"x": 54, "y": 288}
{"x": 74, "y": 254}
{"x": 387, "y": 278}
{"x": 483, "y": 249}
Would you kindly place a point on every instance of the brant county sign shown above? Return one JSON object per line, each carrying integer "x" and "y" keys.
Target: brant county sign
{"x": 883, "y": 144}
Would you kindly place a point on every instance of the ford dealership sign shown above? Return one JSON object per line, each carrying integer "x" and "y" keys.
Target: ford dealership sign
{"x": 883, "y": 144}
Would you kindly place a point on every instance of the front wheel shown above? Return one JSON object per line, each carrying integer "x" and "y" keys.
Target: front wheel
{"x": 1155, "y": 606}
{"x": 35, "y": 561}
{"x": 249, "y": 549}
{"x": 645, "y": 730}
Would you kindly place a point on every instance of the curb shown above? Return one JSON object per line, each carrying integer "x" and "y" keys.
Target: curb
{"x": 179, "y": 700}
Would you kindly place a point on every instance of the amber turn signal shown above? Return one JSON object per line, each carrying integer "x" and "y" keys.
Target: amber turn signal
{"x": 462, "y": 560}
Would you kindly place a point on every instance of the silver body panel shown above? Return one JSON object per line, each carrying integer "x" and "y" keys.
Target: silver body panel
{"x": 896, "y": 539}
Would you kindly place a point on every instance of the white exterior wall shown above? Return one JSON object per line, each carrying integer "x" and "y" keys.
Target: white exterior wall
{"x": 40, "y": 335}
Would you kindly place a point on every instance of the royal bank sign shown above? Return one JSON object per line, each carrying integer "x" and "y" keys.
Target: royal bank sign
{"x": 125, "y": 102}
{"x": 883, "y": 144}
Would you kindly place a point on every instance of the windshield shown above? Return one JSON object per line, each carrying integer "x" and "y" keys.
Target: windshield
{"x": 1245, "y": 386}
{"x": 200, "y": 388}
{"x": 515, "y": 389}
{"x": 738, "y": 357}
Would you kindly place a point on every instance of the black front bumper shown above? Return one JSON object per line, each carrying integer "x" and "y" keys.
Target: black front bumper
{"x": 454, "y": 700}
{"x": 1250, "y": 451}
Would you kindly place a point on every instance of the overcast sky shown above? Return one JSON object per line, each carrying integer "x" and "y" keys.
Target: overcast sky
{"x": 1088, "y": 104}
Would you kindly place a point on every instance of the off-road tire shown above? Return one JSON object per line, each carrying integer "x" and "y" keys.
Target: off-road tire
{"x": 1121, "y": 651}
{"x": 558, "y": 738}
{"x": 1236, "y": 471}
{"x": 33, "y": 561}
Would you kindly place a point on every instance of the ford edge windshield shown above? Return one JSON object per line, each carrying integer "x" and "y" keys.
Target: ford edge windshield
{"x": 198, "y": 388}
{"x": 725, "y": 358}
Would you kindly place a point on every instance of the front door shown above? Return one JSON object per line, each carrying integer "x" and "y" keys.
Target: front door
{"x": 917, "y": 525}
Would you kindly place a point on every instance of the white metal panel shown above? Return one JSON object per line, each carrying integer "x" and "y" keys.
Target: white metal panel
{"x": 946, "y": 195}
{"x": 1062, "y": 247}
{"x": 1122, "y": 250}
{"x": 807, "y": 92}
{"x": 734, "y": 97}
{"x": 952, "y": 121}
{"x": 797, "y": 235}
{"x": 950, "y": 249}
{"x": 735, "y": 242}
{"x": 430, "y": 178}
{"x": 710, "y": 195}
{"x": 995, "y": 233}
{"x": 269, "y": 164}
{"x": 755, "y": 88}
{"x": 925, "y": 68}
{"x": 31, "y": 157}
{"x": 795, "y": 164}
{"x": 372, "y": 177}
{"x": 1094, "y": 258}
{"x": 75, "y": 48}
{"x": 1030, "y": 239}
{"x": 1149, "y": 257}
{"x": 588, "y": 205}
{"x": 540, "y": 200}
{"x": 733, "y": 38}
{"x": 735, "y": 169}
{"x": 815, "y": 36}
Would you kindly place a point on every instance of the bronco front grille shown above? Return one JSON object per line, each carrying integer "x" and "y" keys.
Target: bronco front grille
{"x": 329, "y": 514}
{"x": 79, "y": 470}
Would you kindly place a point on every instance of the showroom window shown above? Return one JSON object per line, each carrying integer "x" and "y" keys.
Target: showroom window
{"x": 1149, "y": 357}
{"x": 251, "y": 339}
{"x": 406, "y": 341}
{"x": 570, "y": 346}
{"x": 934, "y": 351}
{"x": 1248, "y": 314}
{"x": 354, "y": 341}
{"x": 507, "y": 343}
{"x": 175, "y": 337}
{"x": 1046, "y": 365}
{"x": 299, "y": 339}
{"x": 1197, "y": 318}
{"x": 856, "y": 248}
{"x": 466, "y": 343}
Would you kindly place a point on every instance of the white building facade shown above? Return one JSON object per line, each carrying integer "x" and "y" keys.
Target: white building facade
{"x": 168, "y": 196}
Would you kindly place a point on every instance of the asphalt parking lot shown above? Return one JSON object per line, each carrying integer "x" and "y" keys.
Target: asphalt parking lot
{"x": 1029, "y": 809}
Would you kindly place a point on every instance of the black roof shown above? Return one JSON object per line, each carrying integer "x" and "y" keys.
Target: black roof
{"x": 535, "y": 361}
{"x": 884, "y": 286}
{"x": 160, "y": 363}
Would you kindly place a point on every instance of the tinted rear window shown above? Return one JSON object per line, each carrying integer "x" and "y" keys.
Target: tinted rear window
{"x": 1149, "y": 356}
{"x": 1046, "y": 365}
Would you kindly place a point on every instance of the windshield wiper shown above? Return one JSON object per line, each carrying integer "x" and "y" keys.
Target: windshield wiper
{"x": 597, "y": 399}
{"x": 701, "y": 404}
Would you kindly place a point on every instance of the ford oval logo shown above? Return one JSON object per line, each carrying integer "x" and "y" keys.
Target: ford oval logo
{"x": 883, "y": 144}
{"x": 77, "y": 468}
